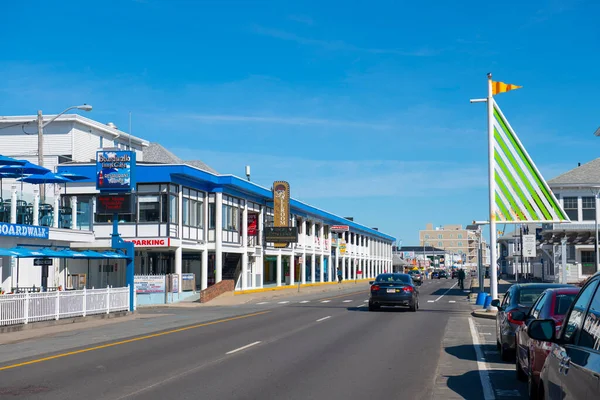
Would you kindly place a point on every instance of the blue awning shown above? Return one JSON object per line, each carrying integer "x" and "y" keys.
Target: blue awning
{"x": 46, "y": 252}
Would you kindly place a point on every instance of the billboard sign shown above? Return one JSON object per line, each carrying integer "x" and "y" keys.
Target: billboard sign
{"x": 115, "y": 170}
{"x": 281, "y": 210}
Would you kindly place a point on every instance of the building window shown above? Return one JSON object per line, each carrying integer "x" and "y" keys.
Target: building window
{"x": 570, "y": 206}
{"x": 440, "y": 236}
{"x": 440, "y": 244}
{"x": 230, "y": 218}
{"x": 426, "y": 236}
{"x": 588, "y": 205}
{"x": 193, "y": 210}
{"x": 317, "y": 230}
{"x": 460, "y": 244}
{"x": 211, "y": 215}
{"x": 427, "y": 244}
{"x": 460, "y": 235}
{"x": 149, "y": 208}
{"x": 588, "y": 264}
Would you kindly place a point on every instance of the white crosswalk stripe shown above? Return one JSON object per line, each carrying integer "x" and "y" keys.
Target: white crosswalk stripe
{"x": 263, "y": 302}
{"x": 347, "y": 301}
{"x": 304, "y": 302}
{"x": 325, "y": 301}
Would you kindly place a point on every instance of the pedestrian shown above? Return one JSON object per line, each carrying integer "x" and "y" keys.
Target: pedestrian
{"x": 461, "y": 278}
{"x": 339, "y": 274}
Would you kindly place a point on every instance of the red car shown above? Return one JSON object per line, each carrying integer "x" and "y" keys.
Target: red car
{"x": 531, "y": 354}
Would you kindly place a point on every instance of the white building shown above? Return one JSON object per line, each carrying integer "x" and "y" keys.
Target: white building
{"x": 188, "y": 219}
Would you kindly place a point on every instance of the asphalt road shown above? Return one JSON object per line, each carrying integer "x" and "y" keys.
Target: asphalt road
{"x": 322, "y": 348}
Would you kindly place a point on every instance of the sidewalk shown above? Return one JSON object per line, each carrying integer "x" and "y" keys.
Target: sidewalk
{"x": 479, "y": 311}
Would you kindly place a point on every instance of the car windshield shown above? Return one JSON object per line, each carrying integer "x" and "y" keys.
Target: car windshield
{"x": 528, "y": 296}
{"x": 393, "y": 278}
{"x": 415, "y": 272}
{"x": 563, "y": 302}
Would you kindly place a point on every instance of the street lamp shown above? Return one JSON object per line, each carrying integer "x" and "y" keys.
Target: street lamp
{"x": 41, "y": 125}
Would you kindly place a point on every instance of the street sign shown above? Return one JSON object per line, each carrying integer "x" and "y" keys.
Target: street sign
{"x": 529, "y": 246}
{"x": 281, "y": 234}
{"x": 42, "y": 262}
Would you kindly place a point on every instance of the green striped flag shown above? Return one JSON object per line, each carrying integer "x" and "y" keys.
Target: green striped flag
{"x": 522, "y": 194}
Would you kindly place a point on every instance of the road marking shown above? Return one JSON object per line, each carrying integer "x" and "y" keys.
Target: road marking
{"x": 325, "y": 301}
{"x": 451, "y": 301}
{"x": 451, "y": 287}
{"x": 263, "y": 302}
{"x": 430, "y": 301}
{"x": 242, "y": 348}
{"x": 324, "y": 318}
{"x": 484, "y": 376}
{"x": 305, "y": 301}
{"x": 365, "y": 301}
{"x": 137, "y": 339}
{"x": 345, "y": 295}
{"x": 283, "y": 302}
{"x": 347, "y": 301}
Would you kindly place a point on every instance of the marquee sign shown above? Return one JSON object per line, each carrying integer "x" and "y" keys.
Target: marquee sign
{"x": 281, "y": 209}
{"x": 115, "y": 170}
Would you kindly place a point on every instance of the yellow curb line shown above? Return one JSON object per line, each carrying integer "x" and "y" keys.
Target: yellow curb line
{"x": 287, "y": 287}
{"x": 104, "y": 346}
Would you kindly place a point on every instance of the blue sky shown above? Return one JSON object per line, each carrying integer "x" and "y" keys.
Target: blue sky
{"x": 362, "y": 106}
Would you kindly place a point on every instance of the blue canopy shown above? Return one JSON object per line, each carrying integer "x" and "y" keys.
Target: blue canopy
{"x": 48, "y": 177}
{"x": 46, "y": 252}
{"x": 10, "y": 161}
{"x": 25, "y": 169}
{"x": 73, "y": 176}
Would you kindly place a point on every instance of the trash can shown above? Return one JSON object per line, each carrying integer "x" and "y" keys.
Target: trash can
{"x": 480, "y": 299}
{"x": 488, "y": 301}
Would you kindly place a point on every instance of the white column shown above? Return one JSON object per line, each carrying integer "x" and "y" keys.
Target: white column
{"x": 36, "y": 207}
{"x": 321, "y": 257}
{"x": 73, "y": 212}
{"x": 303, "y": 263}
{"x": 321, "y": 270}
{"x": 13, "y": 205}
{"x": 260, "y": 227}
{"x": 292, "y": 265}
{"x": 56, "y": 219}
{"x": 245, "y": 246}
{"x": 218, "y": 237}
{"x": 204, "y": 272}
{"x": 279, "y": 268}
{"x": 314, "y": 254}
{"x": 178, "y": 264}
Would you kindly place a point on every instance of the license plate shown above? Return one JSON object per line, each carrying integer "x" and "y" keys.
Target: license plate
{"x": 391, "y": 290}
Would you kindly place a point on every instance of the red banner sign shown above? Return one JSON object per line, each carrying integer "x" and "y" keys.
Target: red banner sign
{"x": 159, "y": 242}
{"x": 252, "y": 224}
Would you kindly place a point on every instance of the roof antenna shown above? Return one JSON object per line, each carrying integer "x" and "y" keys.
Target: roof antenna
{"x": 129, "y": 130}
{"x": 248, "y": 172}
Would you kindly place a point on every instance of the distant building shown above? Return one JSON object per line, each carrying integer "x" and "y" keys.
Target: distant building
{"x": 454, "y": 239}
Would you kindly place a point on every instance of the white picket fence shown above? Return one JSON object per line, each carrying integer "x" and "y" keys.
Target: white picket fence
{"x": 23, "y": 308}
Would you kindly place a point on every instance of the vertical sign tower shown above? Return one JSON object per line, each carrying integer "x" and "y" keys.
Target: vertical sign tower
{"x": 281, "y": 207}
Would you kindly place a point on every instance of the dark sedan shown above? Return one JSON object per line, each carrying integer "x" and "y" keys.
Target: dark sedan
{"x": 518, "y": 299}
{"x": 442, "y": 274}
{"x": 416, "y": 276}
{"x": 393, "y": 290}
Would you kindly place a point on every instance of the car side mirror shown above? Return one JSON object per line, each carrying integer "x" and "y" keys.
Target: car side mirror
{"x": 371, "y": 282}
{"x": 542, "y": 329}
{"x": 518, "y": 316}
{"x": 496, "y": 303}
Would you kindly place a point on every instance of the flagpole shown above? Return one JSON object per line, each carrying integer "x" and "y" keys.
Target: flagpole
{"x": 492, "y": 192}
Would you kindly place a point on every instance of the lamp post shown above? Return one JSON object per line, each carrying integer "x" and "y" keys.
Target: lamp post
{"x": 476, "y": 226}
{"x": 41, "y": 125}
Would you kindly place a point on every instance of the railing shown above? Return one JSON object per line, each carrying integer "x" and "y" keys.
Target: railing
{"x": 23, "y": 308}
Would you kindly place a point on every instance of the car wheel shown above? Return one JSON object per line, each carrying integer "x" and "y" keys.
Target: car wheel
{"x": 414, "y": 307}
{"x": 521, "y": 376}
{"x": 505, "y": 354}
{"x": 373, "y": 307}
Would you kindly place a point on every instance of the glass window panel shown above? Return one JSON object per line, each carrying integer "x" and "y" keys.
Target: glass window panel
{"x": 173, "y": 217}
{"x": 211, "y": 216}
{"x": 200, "y": 207}
{"x": 149, "y": 208}
{"x": 186, "y": 211}
{"x": 148, "y": 188}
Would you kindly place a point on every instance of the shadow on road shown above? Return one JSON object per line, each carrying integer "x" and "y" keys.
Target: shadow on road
{"x": 467, "y": 351}
{"x": 466, "y": 385}
{"x": 452, "y": 292}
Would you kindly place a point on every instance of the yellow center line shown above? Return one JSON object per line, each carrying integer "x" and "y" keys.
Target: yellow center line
{"x": 137, "y": 339}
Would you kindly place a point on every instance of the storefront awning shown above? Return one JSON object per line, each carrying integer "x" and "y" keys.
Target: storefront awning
{"x": 46, "y": 252}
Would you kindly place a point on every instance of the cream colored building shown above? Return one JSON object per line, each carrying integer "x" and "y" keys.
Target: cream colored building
{"x": 454, "y": 239}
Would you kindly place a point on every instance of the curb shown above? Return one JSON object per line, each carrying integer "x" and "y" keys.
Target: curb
{"x": 62, "y": 321}
{"x": 483, "y": 314}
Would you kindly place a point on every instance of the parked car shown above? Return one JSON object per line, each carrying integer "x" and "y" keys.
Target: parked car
{"x": 518, "y": 298}
{"x": 530, "y": 355}
{"x": 393, "y": 290}
{"x": 416, "y": 276}
{"x": 572, "y": 368}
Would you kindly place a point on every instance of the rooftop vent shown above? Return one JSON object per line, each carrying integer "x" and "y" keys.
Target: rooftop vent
{"x": 112, "y": 125}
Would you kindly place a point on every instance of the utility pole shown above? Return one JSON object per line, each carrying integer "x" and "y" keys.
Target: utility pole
{"x": 40, "y": 124}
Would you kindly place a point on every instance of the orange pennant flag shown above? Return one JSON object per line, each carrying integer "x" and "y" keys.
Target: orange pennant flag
{"x": 501, "y": 87}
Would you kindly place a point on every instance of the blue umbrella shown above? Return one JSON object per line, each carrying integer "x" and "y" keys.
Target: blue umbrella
{"x": 27, "y": 168}
{"x": 6, "y": 175}
{"x": 73, "y": 177}
{"x": 10, "y": 161}
{"x": 48, "y": 177}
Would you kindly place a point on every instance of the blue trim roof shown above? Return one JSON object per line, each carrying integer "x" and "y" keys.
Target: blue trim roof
{"x": 228, "y": 184}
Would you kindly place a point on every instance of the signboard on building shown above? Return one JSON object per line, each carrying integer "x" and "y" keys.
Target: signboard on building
{"x": 150, "y": 242}
{"x": 149, "y": 284}
{"x": 408, "y": 254}
{"x": 529, "y": 246}
{"x": 281, "y": 211}
{"x": 342, "y": 247}
{"x": 115, "y": 170}
{"x": 280, "y": 235}
{"x": 252, "y": 224}
{"x": 114, "y": 203}
{"x": 28, "y": 231}
{"x": 339, "y": 228}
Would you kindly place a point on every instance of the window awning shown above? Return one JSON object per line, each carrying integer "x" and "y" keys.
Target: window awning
{"x": 47, "y": 252}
